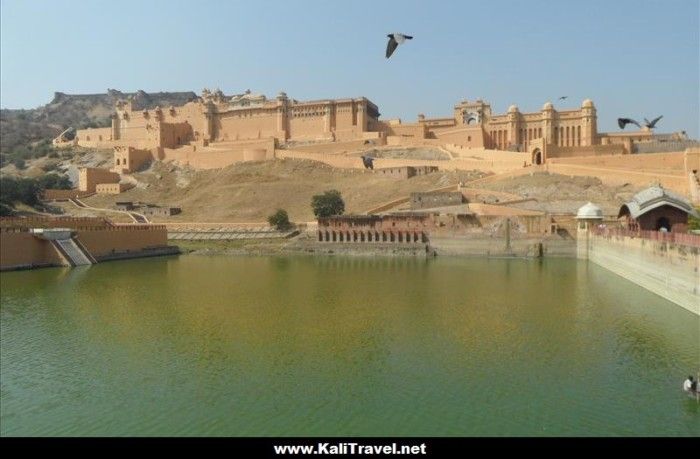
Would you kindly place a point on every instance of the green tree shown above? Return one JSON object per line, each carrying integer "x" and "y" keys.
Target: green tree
{"x": 694, "y": 223}
{"x": 279, "y": 220}
{"x": 54, "y": 182}
{"x": 328, "y": 204}
{"x": 23, "y": 190}
{"x": 5, "y": 210}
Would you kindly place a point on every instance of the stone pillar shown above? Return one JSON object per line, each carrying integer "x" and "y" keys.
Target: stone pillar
{"x": 582, "y": 239}
{"x": 115, "y": 127}
{"x": 547, "y": 123}
{"x": 282, "y": 114}
{"x": 361, "y": 117}
{"x": 327, "y": 119}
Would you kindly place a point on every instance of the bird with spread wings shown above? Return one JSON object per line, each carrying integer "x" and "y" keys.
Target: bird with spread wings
{"x": 622, "y": 122}
{"x": 395, "y": 39}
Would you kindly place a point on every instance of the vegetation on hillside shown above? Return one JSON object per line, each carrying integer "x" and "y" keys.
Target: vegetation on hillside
{"x": 280, "y": 220}
{"x": 694, "y": 223}
{"x": 14, "y": 190}
{"x": 19, "y": 154}
{"x": 328, "y": 204}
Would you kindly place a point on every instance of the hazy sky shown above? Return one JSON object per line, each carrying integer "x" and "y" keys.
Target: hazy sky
{"x": 633, "y": 58}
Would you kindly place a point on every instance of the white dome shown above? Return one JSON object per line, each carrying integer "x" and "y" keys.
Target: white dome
{"x": 547, "y": 106}
{"x": 512, "y": 109}
{"x": 588, "y": 103}
{"x": 590, "y": 211}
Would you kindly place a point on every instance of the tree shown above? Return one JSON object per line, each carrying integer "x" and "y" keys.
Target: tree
{"x": 6, "y": 210}
{"x": 54, "y": 182}
{"x": 328, "y": 204}
{"x": 23, "y": 190}
{"x": 279, "y": 220}
{"x": 694, "y": 223}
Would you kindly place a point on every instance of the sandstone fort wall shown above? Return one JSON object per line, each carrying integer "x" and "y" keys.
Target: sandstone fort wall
{"x": 20, "y": 249}
{"x": 667, "y": 269}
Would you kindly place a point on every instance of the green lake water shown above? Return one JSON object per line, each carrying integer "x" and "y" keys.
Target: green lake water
{"x": 311, "y": 346}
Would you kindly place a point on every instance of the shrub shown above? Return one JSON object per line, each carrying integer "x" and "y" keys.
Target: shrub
{"x": 694, "y": 223}
{"x": 5, "y": 210}
{"x": 328, "y": 204}
{"x": 23, "y": 190}
{"x": 48, "y": 167}
{"x": 54, "y": 182}
{"x": 19, "y": 163}
{"x": 28, "y": 190}
{"x": 279, "y": 220}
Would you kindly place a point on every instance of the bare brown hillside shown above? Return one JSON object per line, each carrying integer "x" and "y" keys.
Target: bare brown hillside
{"x": 250, "y": 192}
{"x": 562, "y": 193}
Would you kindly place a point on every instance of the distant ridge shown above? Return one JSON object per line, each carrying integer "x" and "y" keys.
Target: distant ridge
{"x": 20, "y": 127}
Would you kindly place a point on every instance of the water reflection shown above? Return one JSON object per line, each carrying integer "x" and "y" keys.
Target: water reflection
{"x": 341, "y": 345}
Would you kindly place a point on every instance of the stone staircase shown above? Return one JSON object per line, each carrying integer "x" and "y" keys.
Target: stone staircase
{"x": 75, "y": 255}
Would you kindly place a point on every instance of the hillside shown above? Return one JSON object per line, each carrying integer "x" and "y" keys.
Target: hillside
{"x": 250, "y": 192}
{"x": 19, "y": 128}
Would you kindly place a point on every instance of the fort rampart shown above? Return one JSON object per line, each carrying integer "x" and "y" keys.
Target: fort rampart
{"x": 19, "y": 248}
{"x": 667, "y": 264}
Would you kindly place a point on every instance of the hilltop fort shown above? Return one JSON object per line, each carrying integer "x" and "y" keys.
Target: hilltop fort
{"x": 215, "y": 130}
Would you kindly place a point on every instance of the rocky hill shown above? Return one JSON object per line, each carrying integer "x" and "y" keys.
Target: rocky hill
{"x": 22, "y": 127}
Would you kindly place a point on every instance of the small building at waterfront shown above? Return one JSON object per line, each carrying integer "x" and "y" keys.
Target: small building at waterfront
{"x": 399, "y": 228}
{"x": 657, "y": 209}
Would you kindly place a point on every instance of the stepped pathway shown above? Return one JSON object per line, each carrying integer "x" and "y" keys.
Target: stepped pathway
{"x": 470, "y": 184}
{"x": 72, "y": 252}
{"x": 135, "y": 216}
{"x": 224, "y": 231}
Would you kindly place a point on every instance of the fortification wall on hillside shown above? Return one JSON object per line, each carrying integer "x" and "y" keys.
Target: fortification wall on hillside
{"x": 616, "y": 177}
{"x": 667, "y": 163}
{"x": 217, "y": 156}
{"x": 496, "y": 165}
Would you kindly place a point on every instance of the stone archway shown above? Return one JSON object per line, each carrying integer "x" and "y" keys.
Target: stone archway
{"x": 537, "y": 158}
{"x": 663, "y": 222}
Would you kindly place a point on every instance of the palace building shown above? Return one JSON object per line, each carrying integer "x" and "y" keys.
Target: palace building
{"x": 217, "y": 118}
{"x": 216, "y": 130}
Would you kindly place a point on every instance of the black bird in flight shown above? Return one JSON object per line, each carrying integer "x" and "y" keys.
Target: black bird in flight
{"x": 368, "y": 162}
{"x": 622, "y": 122}
{"x": 563, "y": 97}
{"x": 395, "y": 39}
{"x": 651, "y": 124}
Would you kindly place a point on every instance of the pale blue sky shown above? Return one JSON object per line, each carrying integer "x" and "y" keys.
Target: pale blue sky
{"x": 633, "y": 58}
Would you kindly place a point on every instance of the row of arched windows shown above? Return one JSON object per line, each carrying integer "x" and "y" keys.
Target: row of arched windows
{"x": 499, "y": 139}
{"x": 563, "y": 136}
{"x": 529, "y": 134}
{"x": 371, "y": 236}
{"x": 569, "y": 136}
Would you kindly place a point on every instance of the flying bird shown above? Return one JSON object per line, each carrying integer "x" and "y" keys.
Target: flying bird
{"x": 563, "y": 97}
{"x": 622, "y": 122}
{"x": 395, "y": 39}
{"x": 651, "y": 124}
{"x": 368, "y": 162}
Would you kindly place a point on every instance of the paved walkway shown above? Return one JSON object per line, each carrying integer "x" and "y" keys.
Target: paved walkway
{"x": 135, "y": 216}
